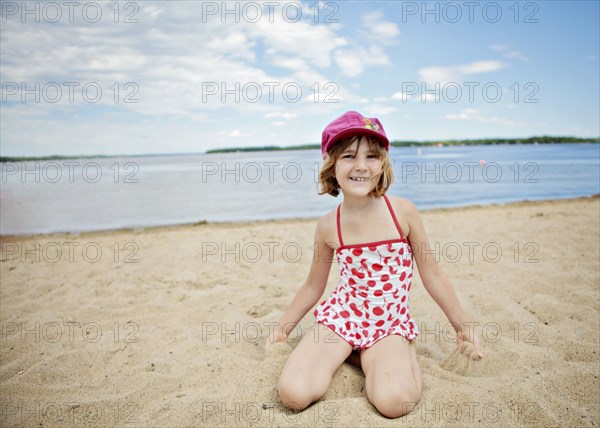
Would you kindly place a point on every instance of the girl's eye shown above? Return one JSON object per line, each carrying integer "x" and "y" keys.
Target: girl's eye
{"x": 347, "y": 156}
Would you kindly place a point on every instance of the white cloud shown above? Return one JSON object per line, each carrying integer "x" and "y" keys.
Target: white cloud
{"x": 508, "y": 53}
{"x": 381, "y": 110}
{"x": 303, "y": 40}
{"x": 402, "y": 96}
{"x": 481, "y": 67}
{"x": 428, "y": 97}
{"x": 516, "y": 54}
{"x": 353, "y": 62}
{"x": 499, "y": 48}
{"x": 290, "y": 63}
{"x": 152, "y": 11}
{"x": 376, "y": 32}
{"x": 475, "y": 115}
{"x": 458, "y": 72}
{"x": 284, "y": 115}
{"x": 377, "y": 28}
{"x": 236, "y": 43}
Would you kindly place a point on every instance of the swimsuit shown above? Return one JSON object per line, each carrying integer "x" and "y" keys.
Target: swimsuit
{"x": 370, "y": 301}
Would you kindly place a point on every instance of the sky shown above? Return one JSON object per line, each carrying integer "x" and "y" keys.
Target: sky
{"x": 84, "y": 78}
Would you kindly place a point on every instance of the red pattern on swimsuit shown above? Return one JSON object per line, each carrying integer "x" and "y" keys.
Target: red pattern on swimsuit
{"x": 371, "y": 300}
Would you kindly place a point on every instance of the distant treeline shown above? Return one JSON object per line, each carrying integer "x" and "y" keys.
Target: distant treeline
{"x": 52, "y": 157}
{"x": 544, "y": 139}
{"x": 264, "y": 148}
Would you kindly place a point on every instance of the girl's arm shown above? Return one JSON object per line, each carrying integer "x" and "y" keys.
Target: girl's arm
{"x": 434, "y": 279}
{"x": 311, "y": 290}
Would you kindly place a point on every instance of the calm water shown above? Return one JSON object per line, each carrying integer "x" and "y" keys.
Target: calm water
{"x": 109, "y": 193}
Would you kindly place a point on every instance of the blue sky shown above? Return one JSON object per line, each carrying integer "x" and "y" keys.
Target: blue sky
{"x": 499, "y": 69}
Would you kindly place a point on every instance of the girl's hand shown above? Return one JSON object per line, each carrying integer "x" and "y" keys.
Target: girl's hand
{"x": 275, "y": 336}
{"x": 462, "y": 342}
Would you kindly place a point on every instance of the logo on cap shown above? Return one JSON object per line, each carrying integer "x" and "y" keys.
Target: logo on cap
{"x": 369, "y": 124}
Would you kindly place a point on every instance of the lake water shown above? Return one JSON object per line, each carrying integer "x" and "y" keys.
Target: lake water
{"x": 109, "y": 193}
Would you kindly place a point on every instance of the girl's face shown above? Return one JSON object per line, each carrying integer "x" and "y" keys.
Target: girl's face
{"x": 358, "y": 169}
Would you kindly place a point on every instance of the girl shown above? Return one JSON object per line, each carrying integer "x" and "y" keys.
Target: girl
{"x": 373, "y": 237}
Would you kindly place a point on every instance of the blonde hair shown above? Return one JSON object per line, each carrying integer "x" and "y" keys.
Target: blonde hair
{"x": 327, "y": 179}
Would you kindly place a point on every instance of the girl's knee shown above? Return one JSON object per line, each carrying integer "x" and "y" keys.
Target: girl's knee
{"x": 293, "y": 394}
{"x": 396, "y": 402}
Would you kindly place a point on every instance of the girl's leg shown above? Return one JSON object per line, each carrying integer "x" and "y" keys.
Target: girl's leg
{"x": 308, "y": 371}
{"x": 393, "y": 376}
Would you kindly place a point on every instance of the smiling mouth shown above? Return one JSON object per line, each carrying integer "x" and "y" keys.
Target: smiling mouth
{"x": 359, "y": 178}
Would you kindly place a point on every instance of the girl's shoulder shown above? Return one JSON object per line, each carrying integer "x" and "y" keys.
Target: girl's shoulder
{"x": 403, "y": 206}
{"x": 327, "y": 226}
{"x": 407, "y": 214}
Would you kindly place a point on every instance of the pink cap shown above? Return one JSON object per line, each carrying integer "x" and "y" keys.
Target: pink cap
{"x": 349, "y": 124}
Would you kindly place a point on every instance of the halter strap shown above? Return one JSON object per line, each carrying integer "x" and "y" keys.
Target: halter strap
{"x": 339, "y": 229}
{"x": 389, "y": 205}
{"x": 393, "y": 216}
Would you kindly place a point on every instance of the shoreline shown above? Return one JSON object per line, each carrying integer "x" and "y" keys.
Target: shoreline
{"x": 246, "y": 223}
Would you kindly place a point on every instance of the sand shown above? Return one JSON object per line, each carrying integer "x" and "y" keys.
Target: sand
{"x": 163, "y": 326}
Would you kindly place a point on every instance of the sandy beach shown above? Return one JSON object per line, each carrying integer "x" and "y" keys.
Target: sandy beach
{"x": 165, "y": 326}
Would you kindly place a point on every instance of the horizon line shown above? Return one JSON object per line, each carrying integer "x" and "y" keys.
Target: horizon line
{"x": 307, "y": 146}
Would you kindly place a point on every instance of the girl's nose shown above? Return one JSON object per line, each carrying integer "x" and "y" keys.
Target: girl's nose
{"x": 361, "y": 163}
